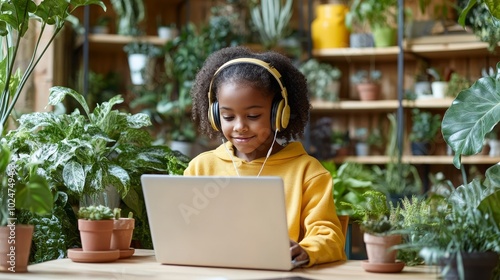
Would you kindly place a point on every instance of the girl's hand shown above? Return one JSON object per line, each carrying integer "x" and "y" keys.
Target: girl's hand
{"x": 299, "y": 255}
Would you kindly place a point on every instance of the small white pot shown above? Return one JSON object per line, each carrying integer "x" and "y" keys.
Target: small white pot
{"x": 166, "y": 32}
{"x": 494, "y": 147}
{"x": 439, "y": 89}
{"x": 362, "y": 149}
{"x": 137, "y": 64}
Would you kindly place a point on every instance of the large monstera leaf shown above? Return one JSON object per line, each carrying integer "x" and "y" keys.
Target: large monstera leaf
{"x": 473, "y": 114}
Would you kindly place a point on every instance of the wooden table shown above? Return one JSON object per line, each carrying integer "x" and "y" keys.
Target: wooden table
{"x": 143, "y": 265}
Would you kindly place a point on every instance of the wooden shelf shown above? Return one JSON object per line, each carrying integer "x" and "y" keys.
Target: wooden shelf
{"x": 476, "y": 159}
{"x": 110, "y": 42}
{"x": 353, "y": 105}
{"x": 453, "y": 45}
{"x": 428, "y": 47}
{"x": 357, "y": 54}
{"x": 379, "y": 105}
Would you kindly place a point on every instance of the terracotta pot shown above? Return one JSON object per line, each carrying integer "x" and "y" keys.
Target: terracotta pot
{"x": 95, "y": 235}
{"x": 478, "y": 265}
{"x": 122, "y": 233}
{"x": 15, "y": 246}
{"x": 368, "y": 91}
{"x": 377, "y": 247}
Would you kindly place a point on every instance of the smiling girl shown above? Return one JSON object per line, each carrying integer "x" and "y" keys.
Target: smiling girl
{"x": 257, "y": 104}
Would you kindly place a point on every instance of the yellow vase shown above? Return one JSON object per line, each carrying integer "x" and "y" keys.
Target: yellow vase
{"x": 328, "y": 30}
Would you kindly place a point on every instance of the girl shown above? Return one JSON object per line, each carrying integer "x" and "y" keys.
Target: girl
{"x": 259, "y": 103}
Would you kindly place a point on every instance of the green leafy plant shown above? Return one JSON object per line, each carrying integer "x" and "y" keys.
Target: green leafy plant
{"x": 117, "y": 214}
{"x": 378, "y": 216}
{"x": 139, "y": 47}
{"x": 21, "y": 189}
{"x": 319, "y": 76}
{"x": 95, "y": 213}
{"x": 130, "y": 13}
{"x": 396, "y": 179}
{"x": 364, "y": 76}
{"x": 82, "y": 154}
{"x": 468, "y": 222}
{"x": 375, "y": 13}
{"x": 271, "y": 19}
{"x": 15, "y": 18}
{"x": 456, "y": 84}
{"x": 351, "y": 180}
{"x": 425, "y": 126}
{"x": 184, "y": 56}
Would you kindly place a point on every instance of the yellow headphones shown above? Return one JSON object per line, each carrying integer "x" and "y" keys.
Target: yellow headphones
{"x": 280, "y": 113}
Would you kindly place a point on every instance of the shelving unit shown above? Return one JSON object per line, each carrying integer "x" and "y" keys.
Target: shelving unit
{"x": 463, "y": 51}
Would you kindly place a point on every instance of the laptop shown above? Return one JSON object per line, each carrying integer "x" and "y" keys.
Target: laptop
{"x": 233, "y": 222}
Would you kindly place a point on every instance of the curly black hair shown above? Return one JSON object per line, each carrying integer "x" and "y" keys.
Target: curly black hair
{"x": 256, "y": 76}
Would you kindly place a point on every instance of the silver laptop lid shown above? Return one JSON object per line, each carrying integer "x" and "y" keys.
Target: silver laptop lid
{"x": 218, "y": 221}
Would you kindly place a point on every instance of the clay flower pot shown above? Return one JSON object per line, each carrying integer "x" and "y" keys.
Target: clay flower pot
{"x": 15, "y": 246}
{"x": 95, "y": 234}
{"x": 377, "y": 247}
{"x": 123, "y": 229}
{"x": 368, "y": 91}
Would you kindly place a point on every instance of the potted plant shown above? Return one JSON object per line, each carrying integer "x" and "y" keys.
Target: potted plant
{"x": 323, "y": 80}
{"x": 16, "y": 195}
{"x": 340, "y": 142}
{"x": 379, "y": 15}
{"x": 96, "y": 227}
{"x": 396, "y": 179}
{"x": 379, "y": 220}
{"x": 424, "y": 129}
{"x": 439, "y": 84}
{"x": 271, "y": 20}
{"x": 101, "y": 25}
{"x": 94, "y": 154}
{"x": 129, "y": 14}
{"x": 166, "y": 30}
{"x": 456, "y": 84}
{"x": 463, "y": 237}
{"x": 367, "y": 84}
{"x": 24, "y": 184}
{"x": 123, "y": 229}
{"x": 361, "y": 137}
{"x": 140, "y": 59}
{"x": 465, "y": 134}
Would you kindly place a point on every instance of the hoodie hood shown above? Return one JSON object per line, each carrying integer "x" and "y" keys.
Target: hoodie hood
{"x": 292, "y": 150}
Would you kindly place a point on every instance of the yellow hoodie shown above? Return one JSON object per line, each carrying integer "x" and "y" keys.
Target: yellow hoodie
{"x": 311, "y": 214}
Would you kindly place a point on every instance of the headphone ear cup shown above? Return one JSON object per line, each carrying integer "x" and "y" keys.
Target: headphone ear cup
{"x": 276, "y": 115}
{"x": 285, "y": 116}
{"x": 214, "y": 116}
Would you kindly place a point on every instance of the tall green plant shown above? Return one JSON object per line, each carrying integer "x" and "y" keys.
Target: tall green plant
{"x": 129, "y": 13}
{"x": 271, "y": 20}
{"x": 15, "y": 17}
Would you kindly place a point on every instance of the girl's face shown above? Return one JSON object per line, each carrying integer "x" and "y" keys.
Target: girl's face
{"x": 245, "y": 116}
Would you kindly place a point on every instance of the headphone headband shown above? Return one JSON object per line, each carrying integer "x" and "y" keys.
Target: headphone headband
{"x": 283, "y": 110}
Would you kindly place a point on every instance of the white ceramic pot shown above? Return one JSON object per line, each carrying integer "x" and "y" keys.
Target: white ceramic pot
{"x": 423, "y": 89}
{"x": 137, "y": 64}
{"x": 362, "y": 149}
{"x": 439, "y": 89}
{"x": 166, "y": 32}
{"x": 494, "y": 147}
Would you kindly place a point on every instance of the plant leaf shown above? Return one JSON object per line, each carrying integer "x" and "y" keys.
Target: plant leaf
{"x": 35, "y": 196}
{"x": 472, "y": 115}
{"x": 74, "y": 176}
{"x": 57, "y": 94}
